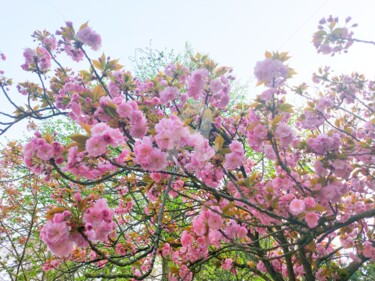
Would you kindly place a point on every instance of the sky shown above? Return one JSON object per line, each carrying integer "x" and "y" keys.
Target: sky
{"x": 234, "y": 33}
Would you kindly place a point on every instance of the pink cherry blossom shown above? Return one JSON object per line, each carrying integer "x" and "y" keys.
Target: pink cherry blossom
{"x": 90, "y": 38}
{"x": 168, "y": 94}
{"x": 271, "y": 71}
{"x": 171, "y": 133}
{"x": 186, "y": 239}
{"x": 297, "y": 206}
{"x": 196, "y": 83}
{"x": 311, "y": 219}
{"x": 285, "y": 134}
{"x": 227, "y": 264}
{"x": 236, "y": 158}
{"x": 98, "y": 221}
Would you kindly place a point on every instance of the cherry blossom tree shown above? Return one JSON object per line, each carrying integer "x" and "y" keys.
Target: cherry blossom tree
{"x": 164, "y": 179}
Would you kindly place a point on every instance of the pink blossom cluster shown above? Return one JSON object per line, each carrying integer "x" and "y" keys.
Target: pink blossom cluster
{"x": 227, "y": 264}
{"x": 101, "y": 137}
{"x": 284, "y": 134}
{"x": 169, "y": 94}
{"x": 50, "y": 265}
{"x": 98, "y": 221}
{"x": 369, "y": 250}
{"x": 206, "y": 231}
{"x": 124, "y": 207}
{"x": 271, "y": 71}
{"x": 297, "y": 206}
{"x": 202, "y": 150}
{"x": 236, "y": 157}
{"x": 211, "y": 175}
{"x": 50, "y": 43}
{"x": 56, "y": 233}
{"x": 36, "y": 60}
{"x": 77, "y": 165}
{"x": 37, "y": 152}
{"x": 71, "y": 41}
{"x": 256, "y": 136}
{"x": 76, "y": 54}
{"x": 89, "y": 37}
{"x": 323, "y": 143}
{"x": 332, "y": 192}
{"x": 196, "y": 83}
{"x": 149, "y": 157}
{"x": 171, "y": 133}
{"x": 137, "y": 121}
{"x": 220, "y": 89}
{"x": 331, "y": 39}
{"x": 312, "y": 120}
{"x": 177, "y": 71}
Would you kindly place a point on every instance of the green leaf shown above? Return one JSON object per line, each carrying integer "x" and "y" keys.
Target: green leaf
{"x": 83, "y": 26}
{"x": 219, "y": 141}
{"x": 80, "y": 139}
{"x": 286, "y": 107}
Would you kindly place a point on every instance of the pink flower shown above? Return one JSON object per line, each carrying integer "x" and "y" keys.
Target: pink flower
{"x": 241, "y": 232}
{"x": 90, "y": 38}
{"x": 215, "y": 221}
{"x": 297, "y": 206}
{"x": 121, "y": 249}
{"x": 45, "y": 151}
{"x": 202, "y": 149}
{"x": 260, "y": 131}
{"x": 232, "y": 161}
{"x": 285, "y": 134}
{"x": 101, "y": 136}
{"x": 76, "y": 54}
{"x": 231, "y": 229}
{"x": 138, "y": 130}
{"x": 215, "y": 237}
{"x": 186, "y": 239}
{"x": 369, "y": 250}
{"x": 39, "y": 59}
{"x": 124, "y": 110}
{"x": 220, "y": 92}
{"x": 138, "y": 124}
{"x": 269, "y": 152}
{"x": 61, "y": 249}
{"x": 171, "y": 133}
{"x": 310, "y": 202}
{"x": 319, "y": 169}
{"x": 50, "y": 43}
{"x": 184, "y": 273}
{"x": 341, "y": 168}
{"x": 55, "y": 234}
{"x": 199, "y": 226}
{"x": 196, "y": 83}
{"x": 236, "y": 158}
{"x": 312, "y": 219}
{"x": 323, "y": 143}
{"x": 332, "y": 192}
{"x": 168, "y": 94}
{"x": 227, "y": 264}
{"x": 150, "y": 158}
{"x": 98, "y": 221}
{"x": 273, "y": 72}
{"x": 166, "y": 250}
{"x": 95, "y": 146}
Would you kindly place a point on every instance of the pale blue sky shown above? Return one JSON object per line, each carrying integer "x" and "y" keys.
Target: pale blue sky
{"x": 235, "y": 33}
